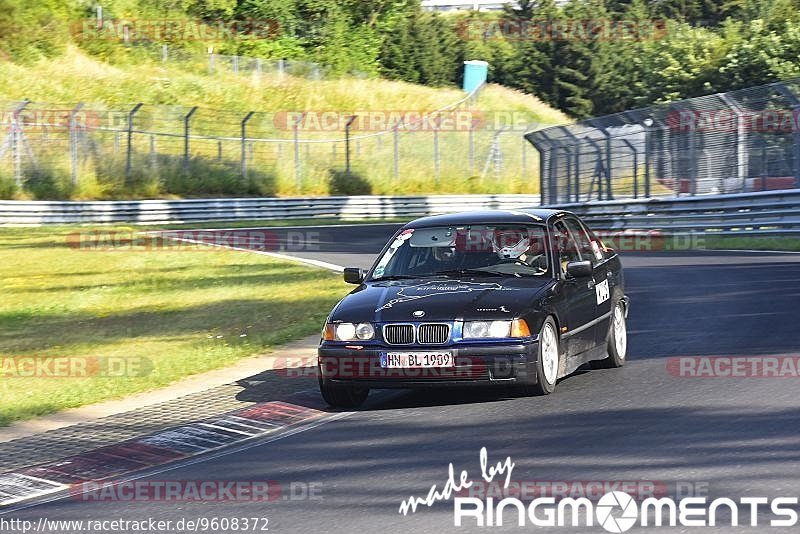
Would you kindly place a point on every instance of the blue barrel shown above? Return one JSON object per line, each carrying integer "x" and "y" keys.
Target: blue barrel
{"x": 475, "y": 73}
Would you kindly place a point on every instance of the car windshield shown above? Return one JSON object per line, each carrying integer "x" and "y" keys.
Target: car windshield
{"x": 480, "y": 250}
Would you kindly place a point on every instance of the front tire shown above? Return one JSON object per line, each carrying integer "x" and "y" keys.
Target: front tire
{"x": 617, "y": 345}
{"x": 339, "y": 396}
{"x": 548, "y": 363}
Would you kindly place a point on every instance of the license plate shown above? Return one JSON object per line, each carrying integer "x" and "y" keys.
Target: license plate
{"x": 411, "y": 360}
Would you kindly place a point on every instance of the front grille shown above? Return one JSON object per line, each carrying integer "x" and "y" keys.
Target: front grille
{"x": 399, "y": 334}
{"x": 433, "y": 333}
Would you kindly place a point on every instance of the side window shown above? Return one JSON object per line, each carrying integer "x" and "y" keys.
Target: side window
{"x": 584, "y": 241}
{"x": 566, "y": 248}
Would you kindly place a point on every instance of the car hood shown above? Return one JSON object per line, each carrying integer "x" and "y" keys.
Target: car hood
{"x": 441, "y": 299}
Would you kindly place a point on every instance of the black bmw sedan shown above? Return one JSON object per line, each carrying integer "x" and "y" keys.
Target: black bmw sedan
{"x": 508, "y": 298}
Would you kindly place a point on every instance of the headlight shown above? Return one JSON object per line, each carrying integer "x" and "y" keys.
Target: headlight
{"x": 365, "y": 331}
{"x": 348, "y": 332}
{"x": 496, "y": 329}
{"x": 478, "y": 329}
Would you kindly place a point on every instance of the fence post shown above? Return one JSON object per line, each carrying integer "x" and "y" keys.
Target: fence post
{"x": 471, "y": 143}
{"x": 647, "y": 123}
{"x": 436, "y": 162}
{"x": 164, "y": 53}
{"x": 244, "y": 143}
{"x": 794, "y": 102}
{"x": 635, "y": 154}
{"x": 186, "y": 119}
{"x": 396, "y": 136}
{"x": 347, "y": 143}
{"x": 298, "y": 176}
{"x": 153, "y": 158}
{"x": 73, "y": 143}
{"x": 524, "y": 157}
{"x": 16, "y": 142}
{"x": 129, "y": 149}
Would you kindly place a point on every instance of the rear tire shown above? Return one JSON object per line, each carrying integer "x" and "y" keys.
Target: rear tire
{"x": 340, "y": 396}
{"x": 548, "y": 364}
{"x": 617, "y": 345}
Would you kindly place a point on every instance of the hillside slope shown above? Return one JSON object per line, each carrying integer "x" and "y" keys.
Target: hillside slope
{"x": 224, "y": 97}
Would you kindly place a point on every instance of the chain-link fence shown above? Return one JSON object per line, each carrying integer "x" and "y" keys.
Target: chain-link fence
{"x": 92, "y": 151}
{"x": 204, "y": 63}
{"x": 746, "y": 140}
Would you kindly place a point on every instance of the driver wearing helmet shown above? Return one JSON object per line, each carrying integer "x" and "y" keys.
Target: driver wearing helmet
{"x": 511, "y": 244}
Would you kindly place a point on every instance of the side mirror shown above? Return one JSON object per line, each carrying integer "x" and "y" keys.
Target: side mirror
{"x": 353, "y": 275}
{"x": 580, "y": 269}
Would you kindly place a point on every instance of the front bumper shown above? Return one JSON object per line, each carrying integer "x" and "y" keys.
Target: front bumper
{"x": 475, "y": 364}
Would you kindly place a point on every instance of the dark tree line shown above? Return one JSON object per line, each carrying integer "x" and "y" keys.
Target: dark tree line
{"x": 587, "y": 57}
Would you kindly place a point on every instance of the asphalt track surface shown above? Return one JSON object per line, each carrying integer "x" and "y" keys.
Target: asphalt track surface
{"x": 734, "y": 436}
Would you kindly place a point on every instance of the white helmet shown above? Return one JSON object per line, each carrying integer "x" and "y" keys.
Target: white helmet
{"x": 510, "y": 243}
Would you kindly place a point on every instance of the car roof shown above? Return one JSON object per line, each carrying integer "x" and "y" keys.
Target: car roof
{"x": 515, "y": 216}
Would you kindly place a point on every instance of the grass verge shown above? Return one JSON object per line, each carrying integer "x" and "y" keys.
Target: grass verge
{"x": 783, "y": 243}
{"x": 165, "y": 314}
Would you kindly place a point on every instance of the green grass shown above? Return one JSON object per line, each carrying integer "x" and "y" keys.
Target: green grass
{"x": 183, "y": 312}
{"x": 783, "y": 243}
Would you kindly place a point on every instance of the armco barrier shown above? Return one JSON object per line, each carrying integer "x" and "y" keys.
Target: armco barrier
{"x": 232, "y": 209}
{"x": 767, "y": 213}
{"x": 764, "y": 213}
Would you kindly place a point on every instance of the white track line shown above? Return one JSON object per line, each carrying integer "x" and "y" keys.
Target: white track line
{"x": 277, "y": 255}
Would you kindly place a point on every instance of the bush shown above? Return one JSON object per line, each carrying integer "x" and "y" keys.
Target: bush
{"x": 348, "y": 183}
{"x": 48, "y": 184}
{"x": 8, "y": 188}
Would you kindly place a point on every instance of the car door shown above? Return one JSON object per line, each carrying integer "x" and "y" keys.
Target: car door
{"x": 579, "y": 295}
{"x": 602, "y": 276}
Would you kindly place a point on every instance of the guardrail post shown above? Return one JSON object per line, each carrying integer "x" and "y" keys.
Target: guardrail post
{"x": 244, "y": 143}
{"x": 73, "y": 143}
{"x": 186, "y": 120}
{"x": 129, "y": 150}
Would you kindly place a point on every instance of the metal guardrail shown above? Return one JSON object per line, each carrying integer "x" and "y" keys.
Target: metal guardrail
{"x": 763, "y": 213}
{"x": 269, "y": 209}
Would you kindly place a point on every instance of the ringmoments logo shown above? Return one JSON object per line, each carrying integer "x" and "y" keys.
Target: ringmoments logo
{"x": 615, "y": 511}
